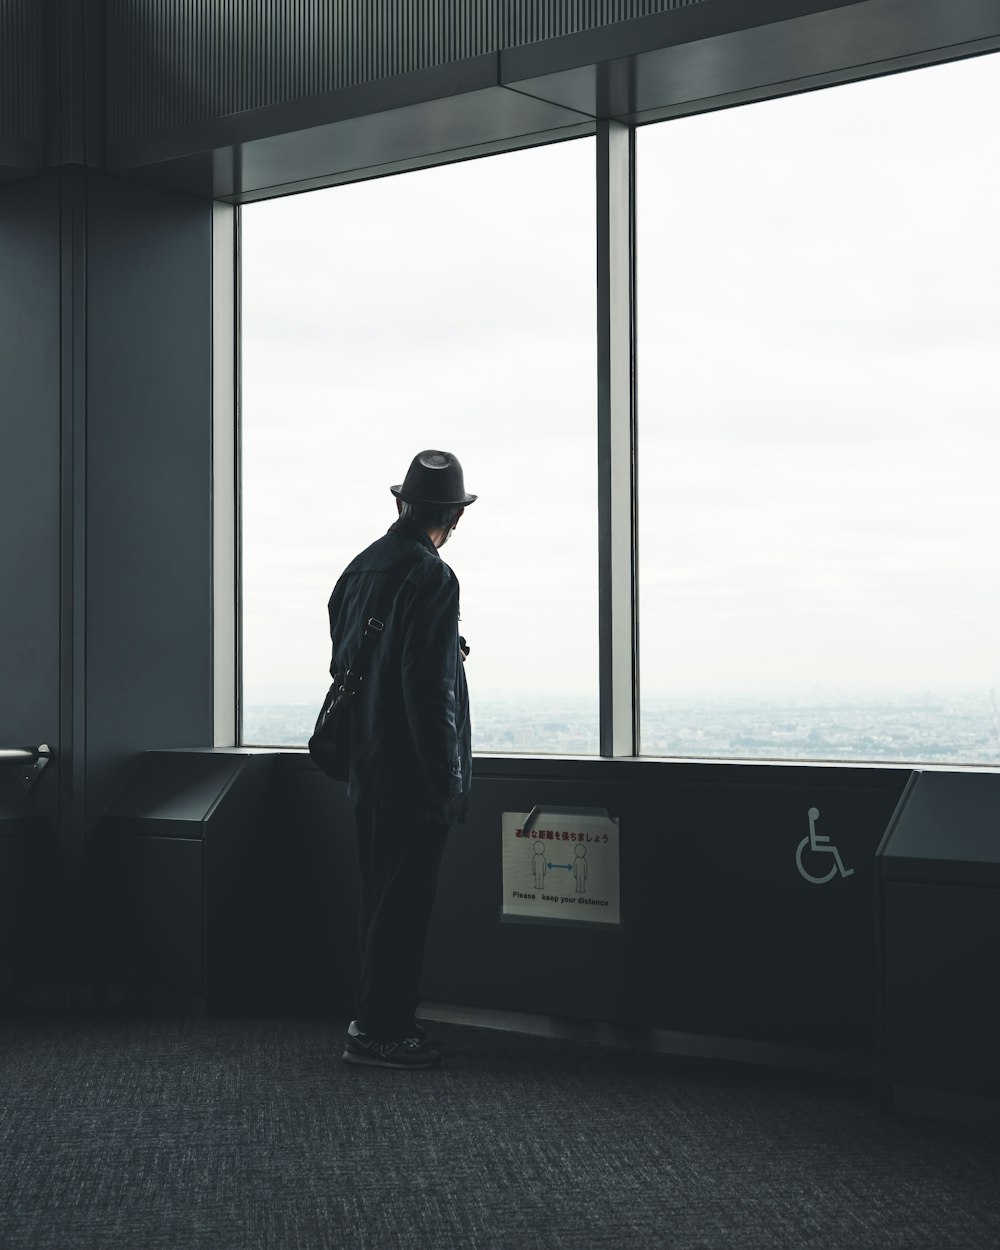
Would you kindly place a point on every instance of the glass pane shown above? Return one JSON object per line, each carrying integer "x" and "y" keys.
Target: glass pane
{"x": 819, "y": 320}
{"x": 449, "y": 308}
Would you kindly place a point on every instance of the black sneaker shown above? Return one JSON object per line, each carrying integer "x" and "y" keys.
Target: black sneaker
{"x": 407, "y": 1052}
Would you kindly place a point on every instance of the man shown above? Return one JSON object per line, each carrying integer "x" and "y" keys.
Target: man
{"x": 411, "y": 755}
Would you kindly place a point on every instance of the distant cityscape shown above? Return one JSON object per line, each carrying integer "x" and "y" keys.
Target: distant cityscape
{"x": 914, "y": 728}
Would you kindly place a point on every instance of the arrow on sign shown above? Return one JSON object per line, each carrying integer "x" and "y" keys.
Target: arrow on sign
{"x": 567, "y": 866}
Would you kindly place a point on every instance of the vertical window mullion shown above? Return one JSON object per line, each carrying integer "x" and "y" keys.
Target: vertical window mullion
{"x": 236, "y": 503}
{"x": 617, "y": 558}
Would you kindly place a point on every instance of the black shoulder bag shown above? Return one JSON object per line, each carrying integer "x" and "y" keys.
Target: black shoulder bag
{"x": 330, "y": 744}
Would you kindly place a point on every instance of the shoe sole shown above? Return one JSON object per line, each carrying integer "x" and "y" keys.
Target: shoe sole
{"x": 373, "y": 1061}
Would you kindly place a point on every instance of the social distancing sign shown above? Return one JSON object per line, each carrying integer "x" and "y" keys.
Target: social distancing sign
{"x": 561, "y": 866}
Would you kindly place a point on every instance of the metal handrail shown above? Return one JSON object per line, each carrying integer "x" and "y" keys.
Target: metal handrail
{"x": 29, "y": 760}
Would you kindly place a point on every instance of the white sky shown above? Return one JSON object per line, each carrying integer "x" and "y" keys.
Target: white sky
{"x": 819, "y": 405}
{"x": 820, "y": 391}
{"x": 451, "y": 308}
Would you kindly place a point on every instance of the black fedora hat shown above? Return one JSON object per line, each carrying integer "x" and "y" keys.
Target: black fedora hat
{"x": 434, "y": 477}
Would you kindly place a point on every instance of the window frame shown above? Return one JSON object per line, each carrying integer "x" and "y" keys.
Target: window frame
{"x": 617, "y": 451}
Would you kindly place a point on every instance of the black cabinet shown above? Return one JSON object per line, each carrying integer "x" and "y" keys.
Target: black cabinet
{"x": 210, "y": 900}
{"x": 28, "y": 884}
{"x": 940, "y": 945}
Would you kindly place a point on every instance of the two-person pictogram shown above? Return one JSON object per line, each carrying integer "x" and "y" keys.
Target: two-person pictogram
{"x": 819, "y": 844}
{"x": 540, "y": 865}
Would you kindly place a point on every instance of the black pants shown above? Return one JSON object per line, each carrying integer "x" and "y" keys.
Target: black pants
{"x": 399, "y": 859}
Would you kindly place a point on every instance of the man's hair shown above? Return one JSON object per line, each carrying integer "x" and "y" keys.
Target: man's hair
{"x": 431, "y": 516}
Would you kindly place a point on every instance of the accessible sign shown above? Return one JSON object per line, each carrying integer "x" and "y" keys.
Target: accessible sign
{"x": 561, "y": 866}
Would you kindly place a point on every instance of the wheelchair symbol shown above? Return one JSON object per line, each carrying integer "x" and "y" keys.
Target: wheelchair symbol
{"x": 819, "y": 842}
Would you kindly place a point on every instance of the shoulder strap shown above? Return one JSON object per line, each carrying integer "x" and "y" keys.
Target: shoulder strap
{"x": 378, "y": 610}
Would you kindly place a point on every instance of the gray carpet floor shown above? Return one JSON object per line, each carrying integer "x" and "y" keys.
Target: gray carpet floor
{"x": 186, "y": 1133}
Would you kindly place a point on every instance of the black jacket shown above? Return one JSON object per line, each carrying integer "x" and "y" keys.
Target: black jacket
{"x": 410, "y": 733}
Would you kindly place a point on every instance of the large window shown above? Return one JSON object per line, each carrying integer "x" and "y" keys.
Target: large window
{"x": 450, "y": 308}
{"x": 819, "y": 423}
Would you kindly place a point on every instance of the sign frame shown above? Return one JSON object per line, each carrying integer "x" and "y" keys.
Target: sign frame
{"x": 576, "y": 831}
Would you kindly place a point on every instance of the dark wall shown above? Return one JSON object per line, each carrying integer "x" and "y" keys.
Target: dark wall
{"x": 173, "y": 63}
{"x": 721, "y": 935}
{"x": 30, "y": 464}
{"x": 149, "y": 476}
{"x": 106, "y": 480}
{"x": 105, "y": 495}
{"x": 21, "y": 70}
{"x": 31, "y": 584}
